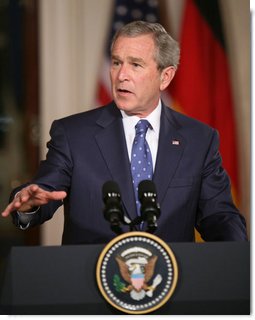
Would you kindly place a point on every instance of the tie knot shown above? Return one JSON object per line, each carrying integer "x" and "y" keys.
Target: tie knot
{"x": 142, "y": 126}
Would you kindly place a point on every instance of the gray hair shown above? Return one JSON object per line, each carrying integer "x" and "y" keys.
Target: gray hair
{"x": 167, "y": 49}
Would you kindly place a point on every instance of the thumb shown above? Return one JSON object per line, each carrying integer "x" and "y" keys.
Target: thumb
{"x": 58, "y": 195}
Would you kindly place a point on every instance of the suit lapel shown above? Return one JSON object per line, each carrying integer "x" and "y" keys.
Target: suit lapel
{"x": 170, "y": 150}
{"x": 112, "y": 144}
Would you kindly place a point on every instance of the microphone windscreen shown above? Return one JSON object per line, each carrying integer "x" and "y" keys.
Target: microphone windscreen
{"x": 110, "y": 187}
{"x": 146, "y": 186}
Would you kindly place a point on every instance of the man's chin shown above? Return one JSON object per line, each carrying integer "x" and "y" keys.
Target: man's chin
{"x": 126, "y": 108}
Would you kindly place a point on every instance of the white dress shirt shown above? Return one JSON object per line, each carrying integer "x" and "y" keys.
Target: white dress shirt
{"x": 152, "y": 135}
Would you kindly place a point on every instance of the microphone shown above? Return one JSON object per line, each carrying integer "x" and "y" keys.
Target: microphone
{"x": 113, "y": 211}
{"x": 150, "y": 209}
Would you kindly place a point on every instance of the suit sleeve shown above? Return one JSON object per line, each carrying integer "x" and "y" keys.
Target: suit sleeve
{"x": 218, "y": 218}
{"x": 54, "y": 174}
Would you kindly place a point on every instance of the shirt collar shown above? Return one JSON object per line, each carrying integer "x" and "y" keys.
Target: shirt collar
{"x": 153, "y": 118}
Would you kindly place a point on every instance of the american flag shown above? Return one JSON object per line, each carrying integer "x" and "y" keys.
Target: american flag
{"x": 125, "y": 11}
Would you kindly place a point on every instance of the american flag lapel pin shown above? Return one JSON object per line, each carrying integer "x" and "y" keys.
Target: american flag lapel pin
{"x": 175, "y": 142}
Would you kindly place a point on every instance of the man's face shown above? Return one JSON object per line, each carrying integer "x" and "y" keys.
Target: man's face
{"x": 135, "y": 79}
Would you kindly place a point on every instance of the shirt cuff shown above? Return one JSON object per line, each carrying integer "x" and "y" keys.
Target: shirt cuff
{"x": 25, "y": 218}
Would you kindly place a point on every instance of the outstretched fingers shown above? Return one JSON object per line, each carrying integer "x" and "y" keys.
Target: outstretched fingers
{"x": 32, "y": 196}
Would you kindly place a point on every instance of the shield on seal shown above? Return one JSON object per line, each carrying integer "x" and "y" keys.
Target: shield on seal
{"x": 137, "y": 280}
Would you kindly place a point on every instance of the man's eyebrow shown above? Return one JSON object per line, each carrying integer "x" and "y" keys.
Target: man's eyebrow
{"x": 131, "y": 59}
{"x": 114, "y": 57}
{"x": 136, "y": 60}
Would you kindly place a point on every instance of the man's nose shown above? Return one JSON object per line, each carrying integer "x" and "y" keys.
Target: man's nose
{"x": 123, "y": 74}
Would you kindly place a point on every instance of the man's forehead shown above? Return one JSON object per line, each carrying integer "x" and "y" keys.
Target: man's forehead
{"x": 145, "y": 39}
{"x": 138, "y": 47}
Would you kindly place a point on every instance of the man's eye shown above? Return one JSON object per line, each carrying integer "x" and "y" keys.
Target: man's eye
{"x": 136, "y": 65}
{"x": 115, "y": 63}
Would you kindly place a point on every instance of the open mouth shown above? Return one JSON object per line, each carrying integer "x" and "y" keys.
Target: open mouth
{"x": 124, "y": 91}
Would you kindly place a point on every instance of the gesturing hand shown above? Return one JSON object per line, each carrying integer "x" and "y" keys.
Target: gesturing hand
{"x": 30, "y": 197}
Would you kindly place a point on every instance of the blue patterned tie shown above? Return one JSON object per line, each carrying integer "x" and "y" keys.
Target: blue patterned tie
{"x": 141, "y": 160}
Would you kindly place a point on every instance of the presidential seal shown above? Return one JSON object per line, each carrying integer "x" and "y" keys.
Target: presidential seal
{"x": 137, "y": 273}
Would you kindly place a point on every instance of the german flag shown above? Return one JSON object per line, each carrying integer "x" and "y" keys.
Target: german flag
{"x": 201, "y": 87}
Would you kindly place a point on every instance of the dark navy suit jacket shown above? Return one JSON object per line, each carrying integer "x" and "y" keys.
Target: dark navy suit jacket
{"x": 89, "y": 148}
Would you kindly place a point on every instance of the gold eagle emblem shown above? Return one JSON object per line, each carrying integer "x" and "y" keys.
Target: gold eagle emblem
{"x": 137, "y": 273}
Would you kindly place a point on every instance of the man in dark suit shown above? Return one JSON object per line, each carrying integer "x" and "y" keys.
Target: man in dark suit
{"x": 90, "y": 148}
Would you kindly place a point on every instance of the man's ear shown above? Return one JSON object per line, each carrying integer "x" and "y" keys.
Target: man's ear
{"x": 166, "y": 77}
